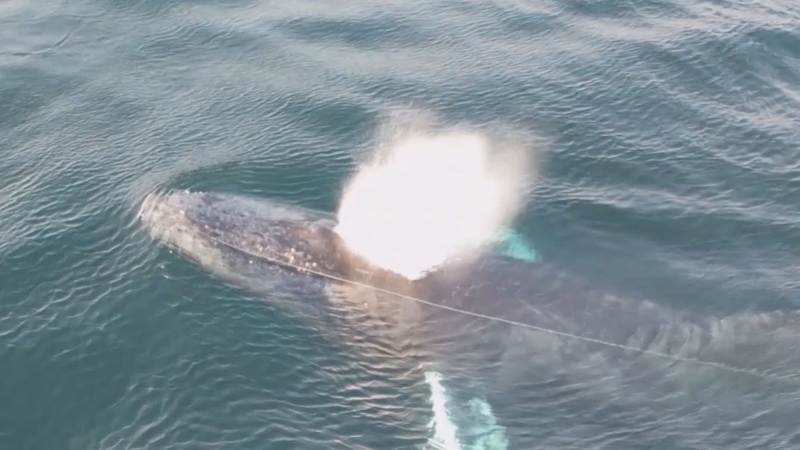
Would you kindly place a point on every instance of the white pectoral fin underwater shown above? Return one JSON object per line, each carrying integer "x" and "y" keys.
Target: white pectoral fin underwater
{"x": 459, "y": 425}
{"x": 472, "y": 425}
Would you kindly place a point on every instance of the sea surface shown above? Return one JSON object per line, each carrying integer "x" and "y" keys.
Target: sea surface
{"x": 671, "y": 131}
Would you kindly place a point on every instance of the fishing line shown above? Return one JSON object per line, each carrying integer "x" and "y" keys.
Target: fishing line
{"x": 684, "y": 359}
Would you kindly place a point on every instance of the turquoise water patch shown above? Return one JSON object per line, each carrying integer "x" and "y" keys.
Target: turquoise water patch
{"x": 512, "y": 243}
{"x": 484, "y": 433}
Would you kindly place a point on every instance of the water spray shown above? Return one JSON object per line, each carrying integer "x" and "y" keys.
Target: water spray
{"x": 426, "y": 196}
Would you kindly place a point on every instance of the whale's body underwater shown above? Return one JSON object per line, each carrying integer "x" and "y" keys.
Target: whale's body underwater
{"x": 273, "y": 248}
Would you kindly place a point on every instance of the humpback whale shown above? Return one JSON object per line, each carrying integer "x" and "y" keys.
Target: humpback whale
{"x": 487, "y": 320}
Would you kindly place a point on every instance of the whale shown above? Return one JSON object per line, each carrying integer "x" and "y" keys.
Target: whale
{"x": 493, "y": 323}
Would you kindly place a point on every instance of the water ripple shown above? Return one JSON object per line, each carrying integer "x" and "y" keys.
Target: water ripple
{"x": 673, "y": 170}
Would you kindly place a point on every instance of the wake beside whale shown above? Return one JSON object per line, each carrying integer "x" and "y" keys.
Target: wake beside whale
{"x": 487, "y": 320}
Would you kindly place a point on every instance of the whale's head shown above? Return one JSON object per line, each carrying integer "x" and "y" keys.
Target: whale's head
{"x": 242, "y": 237}
{"x": 269, "y": 248}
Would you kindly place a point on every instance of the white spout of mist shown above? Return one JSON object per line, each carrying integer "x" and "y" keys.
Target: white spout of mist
{"x": 426, "y": 197}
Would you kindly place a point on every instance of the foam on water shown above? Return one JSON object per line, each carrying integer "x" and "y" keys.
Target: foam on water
{"x": 426, "y": 196}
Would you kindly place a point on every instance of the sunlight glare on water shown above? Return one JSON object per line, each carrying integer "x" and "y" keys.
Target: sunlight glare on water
{"x": 427, "y": 196}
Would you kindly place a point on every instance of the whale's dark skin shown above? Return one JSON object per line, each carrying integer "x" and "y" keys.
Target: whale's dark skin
{"x": 273, "y": 248}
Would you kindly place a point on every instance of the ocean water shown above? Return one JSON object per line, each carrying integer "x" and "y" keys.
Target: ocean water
{"x": 672, "y": 138}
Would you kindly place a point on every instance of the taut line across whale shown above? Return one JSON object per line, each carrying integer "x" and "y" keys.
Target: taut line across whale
{"x": 489, "y": 321}
{"x": 266, "y": 246}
